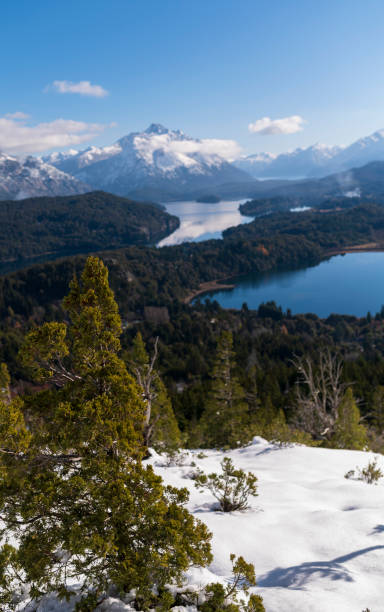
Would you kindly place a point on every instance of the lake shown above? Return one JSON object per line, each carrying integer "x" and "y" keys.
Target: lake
{"x": 199, "y": 221}
{"x": 345, "y": 284}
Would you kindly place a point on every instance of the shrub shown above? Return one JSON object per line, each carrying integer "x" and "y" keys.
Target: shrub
{"x": 371, "y": 473}
{"x": 220, "y": 598}
{"x": 350, "y": 474}
{"x": 231, "y": 488}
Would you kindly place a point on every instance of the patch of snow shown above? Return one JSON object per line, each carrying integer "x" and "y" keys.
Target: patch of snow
{"x": 316, "y": 539}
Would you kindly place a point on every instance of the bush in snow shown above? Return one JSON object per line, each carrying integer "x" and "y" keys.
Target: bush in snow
{"x": 371, "y": 473}
{"x": 231, "y": 488}
{"x": 220, "y": 598}
{"x": 350, "y": 474}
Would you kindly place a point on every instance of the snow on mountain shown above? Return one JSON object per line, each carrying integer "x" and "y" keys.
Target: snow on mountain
{"x": 72, "y": 161}
{"x": 157, "y": 159}
{"x": 361, "y": 152}
{"x": 315, "y": 161}
{"x": 315, "y": 538}
{"x": 302, "y": 162}
{"x": 32, "y": 177}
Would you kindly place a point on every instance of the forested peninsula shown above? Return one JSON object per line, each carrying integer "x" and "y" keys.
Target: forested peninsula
{"x": 53, "y": 226}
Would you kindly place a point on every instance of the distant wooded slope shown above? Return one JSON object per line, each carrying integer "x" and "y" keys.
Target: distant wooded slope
{"x": 39, "y": 227}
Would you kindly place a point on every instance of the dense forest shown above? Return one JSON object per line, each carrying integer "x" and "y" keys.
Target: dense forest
{"x": 77, "y": 224}
{"x": 265, "y": 206}
{"x": 151, "y": 286}
{"x": 143, "y": 276}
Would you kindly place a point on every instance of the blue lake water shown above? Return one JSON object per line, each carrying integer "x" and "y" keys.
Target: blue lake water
{"x": 199, "y": 221}
{"x": 345, "y": 284}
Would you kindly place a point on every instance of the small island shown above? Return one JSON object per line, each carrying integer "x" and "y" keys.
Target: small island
{"x": 208, "y": 199}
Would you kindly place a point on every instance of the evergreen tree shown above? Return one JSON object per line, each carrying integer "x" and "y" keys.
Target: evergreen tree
{"x": 349, "y": 432}
{"x": 75, "y": 497}
{"x": 225, "y": 420}
{"x": 378, "y": 409}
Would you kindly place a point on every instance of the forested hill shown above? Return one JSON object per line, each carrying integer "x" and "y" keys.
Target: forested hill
{"x": 81, "y": 223}
{"x": 143, "y": 276}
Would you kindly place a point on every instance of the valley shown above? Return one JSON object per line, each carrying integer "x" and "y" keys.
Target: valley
{"x": 192, "y": 306}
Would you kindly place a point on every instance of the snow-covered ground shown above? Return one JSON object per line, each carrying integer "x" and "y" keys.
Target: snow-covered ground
{"x": 316, "y": 539}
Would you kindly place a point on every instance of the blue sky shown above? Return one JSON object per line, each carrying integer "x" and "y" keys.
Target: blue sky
{"x": 208, "y": 67}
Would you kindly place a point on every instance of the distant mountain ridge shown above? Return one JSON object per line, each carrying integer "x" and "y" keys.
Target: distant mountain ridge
{"x": 162, "y": 165}
{"x": 32, "y": 177}
{"x": 315, "y": 161}
{"x": 157, "y": 161}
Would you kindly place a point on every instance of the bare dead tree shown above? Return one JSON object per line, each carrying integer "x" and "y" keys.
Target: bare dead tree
{"x": 319, "y": 393}
{"x": 146, "y": 376}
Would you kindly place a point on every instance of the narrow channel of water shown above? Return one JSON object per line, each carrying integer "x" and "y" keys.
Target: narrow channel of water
{"x": 199, "y": 221}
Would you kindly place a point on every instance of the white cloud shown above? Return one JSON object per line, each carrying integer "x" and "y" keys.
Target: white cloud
{"x": 229, "y": 149}
{"x": 84, "y": 88}
{"x": 17, "y": 115}
{"x": 184, "y": 151}
{"x": 286, "y": 125}
{"x": 17, "y": 137}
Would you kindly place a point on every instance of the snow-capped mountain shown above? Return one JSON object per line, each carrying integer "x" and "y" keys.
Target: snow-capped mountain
{"x": 315, "y": 161}
{"x": 72, "y": 161}
{"x": 160, "y": 161}
{"x": 33, "y": 177}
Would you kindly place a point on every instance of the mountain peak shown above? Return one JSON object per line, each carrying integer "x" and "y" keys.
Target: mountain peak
{"x": 156, "y": 128}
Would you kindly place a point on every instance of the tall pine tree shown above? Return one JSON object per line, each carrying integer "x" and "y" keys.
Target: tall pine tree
{"x": 348, "y": 431}
{"x": 225, "y": 420}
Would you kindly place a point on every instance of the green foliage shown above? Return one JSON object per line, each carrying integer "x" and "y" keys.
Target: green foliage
{"x": 279, "y": 432}
{"x": 73, "y": 491}
{"x": 220, "y": 598}
{"x": 225, "y": 421}
{"x": 44, "y": 350}
{"x": 14, "y": 434}
{"x": 231, "y": 488}
{"x": 348, "y": 432}
{"x": 371, "y": 473}
{"x": 377, "y": 409}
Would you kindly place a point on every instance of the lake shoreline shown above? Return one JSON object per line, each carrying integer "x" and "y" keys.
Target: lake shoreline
{"x": 214, "y": 285}
{"x": 369, "y": 247}
{"x": 222, "y": 284}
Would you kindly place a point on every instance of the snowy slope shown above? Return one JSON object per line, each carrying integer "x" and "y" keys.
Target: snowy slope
{"x": 295, "y": 164}
{"x": 316, "y": 539}
{"x": 33, "y": 177}
{"x": 157, "y": 159}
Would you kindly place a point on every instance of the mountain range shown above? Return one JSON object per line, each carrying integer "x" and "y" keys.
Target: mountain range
{"x": 155, "y": 164}
{"x": 163, "y": 165}
{"x": 315, "y": 161}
